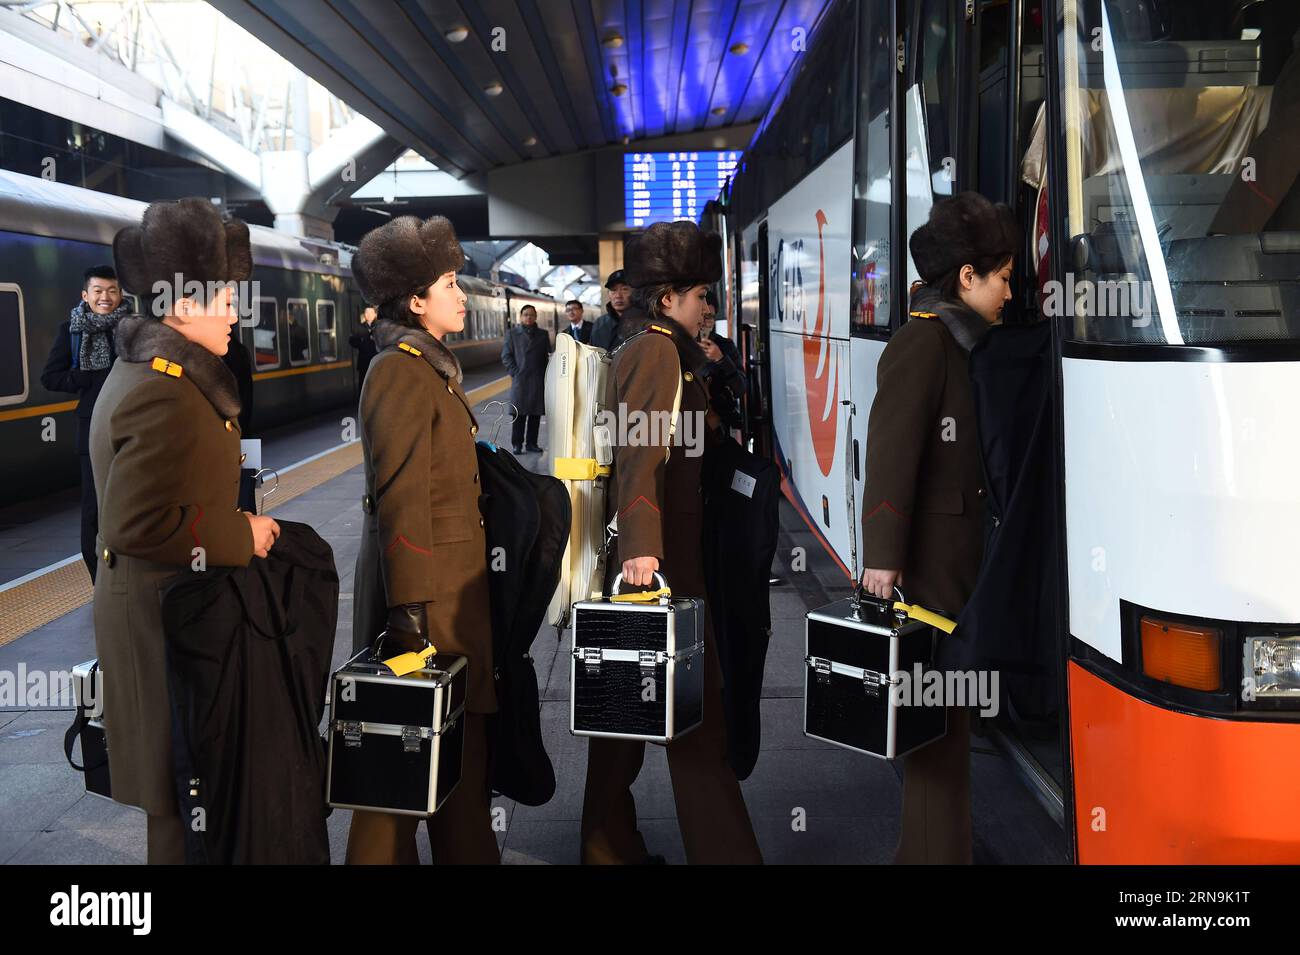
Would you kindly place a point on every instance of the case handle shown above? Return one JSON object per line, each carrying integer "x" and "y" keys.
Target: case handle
{"x": 648, "y": 596}
{"x": 914, "y": 611}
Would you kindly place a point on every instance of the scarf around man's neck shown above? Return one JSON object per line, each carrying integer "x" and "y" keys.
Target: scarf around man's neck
{"x": 96, "y": 331}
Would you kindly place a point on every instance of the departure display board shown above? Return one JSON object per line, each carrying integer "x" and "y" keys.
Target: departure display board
{"x": 663, "y": 187}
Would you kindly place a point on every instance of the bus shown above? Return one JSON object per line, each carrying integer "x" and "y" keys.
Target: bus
{"x": 1151, "y": 152}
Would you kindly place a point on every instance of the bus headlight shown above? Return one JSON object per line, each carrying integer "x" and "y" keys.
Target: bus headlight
{"x": 1272, "y": 666}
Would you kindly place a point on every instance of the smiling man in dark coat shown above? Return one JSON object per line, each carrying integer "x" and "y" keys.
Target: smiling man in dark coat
{"x": 524, "y": 354}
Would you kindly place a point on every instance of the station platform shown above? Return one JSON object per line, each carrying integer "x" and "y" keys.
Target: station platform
{"x": 851, "y": 801}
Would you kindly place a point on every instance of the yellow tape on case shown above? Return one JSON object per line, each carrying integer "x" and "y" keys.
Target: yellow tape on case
{"x": 926, "y": 616}
{"x": 579, "y": 469}
{"x": 644, "y": 597}
{"x": 405, "y": 663}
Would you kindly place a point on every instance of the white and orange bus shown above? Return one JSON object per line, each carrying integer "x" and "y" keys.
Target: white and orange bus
{"x": 1152, "y": 153}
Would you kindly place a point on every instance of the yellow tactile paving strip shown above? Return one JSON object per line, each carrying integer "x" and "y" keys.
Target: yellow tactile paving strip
{"x": 36, "y": 602}
{"x": 42, "y": 599}
{"x": 312, "y": 474}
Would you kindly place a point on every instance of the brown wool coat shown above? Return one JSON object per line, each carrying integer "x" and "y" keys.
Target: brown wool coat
{"x": 923, "y": 506}
{"x": 165, "y": 453}
{"x": 422, "y": 539}
{"x": 659, "y": 505}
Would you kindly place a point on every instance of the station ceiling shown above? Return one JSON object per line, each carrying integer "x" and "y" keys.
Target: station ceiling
{"x": 477, "y": 85}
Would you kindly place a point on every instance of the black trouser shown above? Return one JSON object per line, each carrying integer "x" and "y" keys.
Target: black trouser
{"x": 534, "y": 422}
{"x": 89, "y": 515}
{"x": 935, "y": 826}
{"x": 711, "y": 812}
{"x": 460, "y": 832}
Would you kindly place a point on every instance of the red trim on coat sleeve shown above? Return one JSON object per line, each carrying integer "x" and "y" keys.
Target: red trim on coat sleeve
{"x": 401, "y": 538}
{"x": 641, "y": 499}
{"x": 884, "y": 503}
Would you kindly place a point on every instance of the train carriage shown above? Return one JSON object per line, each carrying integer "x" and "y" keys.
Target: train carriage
{"x": 303, "y": 306}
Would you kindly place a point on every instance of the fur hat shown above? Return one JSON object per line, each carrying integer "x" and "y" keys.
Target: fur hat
{"x": 186, "y": 237}
{"x": 405, "y": 256}
{"x": 966, "y": 228}
{"x": 673, "y": 253}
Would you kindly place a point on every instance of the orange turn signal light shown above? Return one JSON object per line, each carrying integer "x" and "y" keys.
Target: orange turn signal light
{"x": 1183, "y": 654}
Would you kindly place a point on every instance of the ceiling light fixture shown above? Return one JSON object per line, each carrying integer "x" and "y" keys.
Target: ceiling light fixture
{"x": 457, "y": 34}
{"x": 740, "y": 49}
{"x": 530, "y": 141}
{"x": 613, "y": 41}
{"x": 618, "y": 89}
{"x": 719, "y": 111}
{"x": 493, "y": 89}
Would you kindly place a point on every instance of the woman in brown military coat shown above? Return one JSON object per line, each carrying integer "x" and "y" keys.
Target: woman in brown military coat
{"x": 422, "y": 569}
{"x": 659, "y": 511}
{"x": 164, "y": 446}
{"x": 923, "y": 505}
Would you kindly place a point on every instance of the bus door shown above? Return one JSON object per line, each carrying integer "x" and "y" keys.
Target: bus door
{"x": 751, "y": 324}
{"x": 1002, "y": 74}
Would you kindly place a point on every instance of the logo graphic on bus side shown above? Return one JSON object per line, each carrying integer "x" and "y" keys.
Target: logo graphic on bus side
{"x": 820, "y": 365}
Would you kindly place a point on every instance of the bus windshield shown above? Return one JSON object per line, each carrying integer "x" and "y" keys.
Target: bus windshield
{"x": 1182, "y": 148}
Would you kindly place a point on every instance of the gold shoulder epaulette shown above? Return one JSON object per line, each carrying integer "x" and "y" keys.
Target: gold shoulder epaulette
{"x": 660, "y": 329}
{"x": 411, "y": 348}
{"x": 923, "y": 314}
{"x": 166, "y": 367}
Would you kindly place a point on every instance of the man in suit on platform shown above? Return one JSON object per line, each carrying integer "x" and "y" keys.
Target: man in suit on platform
{"x": 578, "y": 328}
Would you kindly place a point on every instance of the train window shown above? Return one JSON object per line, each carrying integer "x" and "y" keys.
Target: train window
{"x": 13, "y": 346}
{"x": 327, "y": 335}
{"x": 299, "y": 332}
{"x": 1182, "y": 192}
{"x": 266, "y": 334}
{"x": 872, "y": 180}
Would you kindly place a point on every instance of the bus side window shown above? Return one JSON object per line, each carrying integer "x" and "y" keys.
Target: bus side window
{"x": 937, "y": 42}
{"x": 13, "y": 346}
{"x": 872, "y": 187}
{"x": 930, "y": 114}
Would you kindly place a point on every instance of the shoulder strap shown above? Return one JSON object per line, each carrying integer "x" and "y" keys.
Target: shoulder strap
{"x": 677, "y": 410}
{"x": 677, "y": 398}
{"x": 75, "y": 341}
